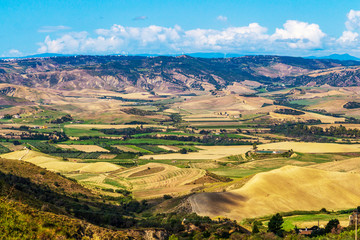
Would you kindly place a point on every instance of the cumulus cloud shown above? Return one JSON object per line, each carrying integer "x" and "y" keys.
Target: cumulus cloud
{"x": 348, "y": 38}
{"x": 298, "y": 34}
{"x": 222, "y": 18}
{"x": 228, "y": 39}
{"x": 353, "y": 20}
{"x": 140, "y": 18}
{"x": 79, "y": 42}
{"x": 293, "y": 36}
{"x": 48, "y": 29}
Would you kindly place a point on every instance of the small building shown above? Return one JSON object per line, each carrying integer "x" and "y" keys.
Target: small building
{"x": 353, "y": 217}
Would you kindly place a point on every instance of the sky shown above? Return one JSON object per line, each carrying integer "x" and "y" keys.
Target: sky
{"x": 280, "y": 27}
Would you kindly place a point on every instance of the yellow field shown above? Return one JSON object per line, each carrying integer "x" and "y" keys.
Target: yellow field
{"x": 170, "y": 148}
{"x": 107, "y": 156}
{"x": 207, "y": 152}
{"x": 126, "y": 149}
{"x": 349, "y": 165}
{"x": 307, "y": 147}
{"x": 84, "y": 148}
{"x": 215, "y": 119}
{"x": 216, "y": 152}
{"x": 304, "y": 117}
{"x": 57, "y": 165}
{"x": 165, "y": 180}
{"x": 282, "y": 190}
{"x": 107, "y": 126}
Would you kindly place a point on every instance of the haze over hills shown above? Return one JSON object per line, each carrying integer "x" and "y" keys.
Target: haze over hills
{"x": 342, "y": 57}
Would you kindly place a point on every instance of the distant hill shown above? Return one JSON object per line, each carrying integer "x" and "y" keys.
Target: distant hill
{"x": 173, "y": 74}
{"x": 215, "y": 55}
{"x": 41, "y": 55}
{"x": 341, "y": 57}
{"x": 44, "y": 55}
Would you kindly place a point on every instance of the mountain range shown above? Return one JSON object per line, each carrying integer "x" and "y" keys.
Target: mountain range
{"x": 175, "y": 75}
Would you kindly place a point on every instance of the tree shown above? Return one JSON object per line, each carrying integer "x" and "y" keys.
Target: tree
{"x": 7, "y": 116}
{"x": 255, "y": 229}
{"x": 176, "y": 118}
{"x": 332, "y": 224}
{"x": 275, "y": 225}
{"x": 255, "y": 146}
{"x": 183, "y": 151}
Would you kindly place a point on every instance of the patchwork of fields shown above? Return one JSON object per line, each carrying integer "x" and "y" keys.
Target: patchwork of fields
{"x": 219, "y": 153}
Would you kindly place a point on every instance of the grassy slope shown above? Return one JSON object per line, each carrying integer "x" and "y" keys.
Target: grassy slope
{"x": 279, "y": 191}
{"x": 35, "y": 203}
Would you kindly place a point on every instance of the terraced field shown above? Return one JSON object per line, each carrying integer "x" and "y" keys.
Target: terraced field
{"x": 156, "y": 179}
{"x": 56, "y": 164}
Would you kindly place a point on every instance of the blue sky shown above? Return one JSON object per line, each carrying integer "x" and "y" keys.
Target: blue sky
{"x": 283, "y": 27}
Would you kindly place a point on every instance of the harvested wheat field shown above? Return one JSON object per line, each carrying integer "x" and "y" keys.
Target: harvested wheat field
{"x": 170, "y": 148}
{"x": 351, "y": 165}
{"x": 216, "y": 152}
{"x": 57, "y": 165}
{"x": 305, "y": 117}
{"x": 126, "y": 148}
{"x": 206, "y": 152}
{"x": 108, "y": 126}
{"x": 99, "y": 167}
{"x": 107, "y": 156}
{"x": 307, "y": 147}
{"x": 156, "y": 179}
{"x": 282, "y": 190}
{"x": 86, "y": 148}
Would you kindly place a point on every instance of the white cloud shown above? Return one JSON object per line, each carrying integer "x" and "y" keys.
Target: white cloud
{"x": 353, "y": 21}
{"x": 348, "y": 38}
{"x": 48, "y": 29}
{"x": 227, "y": 39}
{"x": 299, "y": 34}
{"x": 222, "y": 18}
{"x": 79, "y": 42}
{"x": 294, "y": 36}
{"x": 12, "y": 53}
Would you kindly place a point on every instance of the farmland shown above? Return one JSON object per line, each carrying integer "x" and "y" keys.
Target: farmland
{"x": 219, "y": 155}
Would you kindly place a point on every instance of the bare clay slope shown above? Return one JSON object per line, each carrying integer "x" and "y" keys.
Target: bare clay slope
{"x": 282, "y": 190}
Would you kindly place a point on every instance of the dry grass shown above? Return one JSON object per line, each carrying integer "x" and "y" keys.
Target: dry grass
{"x": 84, "y": 148}
{"x": 57, "y": 165}
{"x": 107, "y": 156}
{"x": 146, "y": 183}
{"x": 170, "y": 148}
{"x": 126, "y": 149}
{"x": 305, "y": 117}
{"x": 307, "y": 147}
{"x": 232, "y": 102}
{"x": 108, "y": 126}
{"x": 207, "y": 152}
{"x": 147, "y": 171}
{"x": 216, "y": 152}
{"x": 282, "y": 190}
{"x": 349, "y": 165}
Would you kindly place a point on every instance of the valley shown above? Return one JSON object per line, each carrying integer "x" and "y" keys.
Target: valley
{"x": 154, "y": 138}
